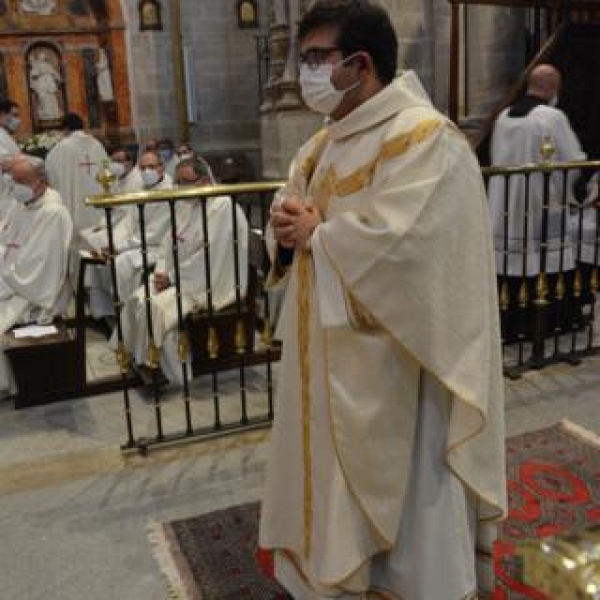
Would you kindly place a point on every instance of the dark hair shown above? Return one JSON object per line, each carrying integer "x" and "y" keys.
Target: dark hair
{"x": 71, "y": 122}
{"x": 199, "y": 166}
{"x": 362, "y": 26}
{"x": 128, "y": 152}
{"x": 7, "y": 105}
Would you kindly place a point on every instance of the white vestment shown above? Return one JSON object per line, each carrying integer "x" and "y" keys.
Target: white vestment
{"x": 127, "y": 241}
{"x": 73, "y": 164}
{"x": 8, "y": 146}
{"x": 590, "y": 227}
{"x": 517, "y": 141}
{"x": 33, "y": 265}
{"x": 391, "y": 362}
{"x": 190, "y": 245}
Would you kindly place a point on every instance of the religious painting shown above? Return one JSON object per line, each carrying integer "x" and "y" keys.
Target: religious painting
{"x": 46, "y": 86}
{"x": 41, "y": 7}
{"x": 247, "y": 14}
{"x": 150, "y": 17}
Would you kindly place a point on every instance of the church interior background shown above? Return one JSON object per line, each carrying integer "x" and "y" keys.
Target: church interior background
{"x": 221, "y": 74}
{"x": 202, "y": 73}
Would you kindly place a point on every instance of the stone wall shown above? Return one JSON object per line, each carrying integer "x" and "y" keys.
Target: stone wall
{"x": 224, "y": 68}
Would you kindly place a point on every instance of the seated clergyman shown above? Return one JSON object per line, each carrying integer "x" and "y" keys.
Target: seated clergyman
{"x": 191, "y": 244}
{"x": 35, "y": 242}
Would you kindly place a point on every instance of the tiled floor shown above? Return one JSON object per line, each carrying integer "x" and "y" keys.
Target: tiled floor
{"x": 74, "y": 510}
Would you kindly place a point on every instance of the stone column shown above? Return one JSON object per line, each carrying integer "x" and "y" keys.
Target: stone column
{"x": 285, "y": 123}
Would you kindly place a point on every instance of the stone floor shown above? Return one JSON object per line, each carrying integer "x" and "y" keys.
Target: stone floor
{"x": 74, "y": 510}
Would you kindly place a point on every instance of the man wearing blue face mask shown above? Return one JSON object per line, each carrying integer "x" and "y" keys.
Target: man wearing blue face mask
{"x": 9, "y": 123}
{"x": 34, "y": 247}
{"x": 387, "y": 450}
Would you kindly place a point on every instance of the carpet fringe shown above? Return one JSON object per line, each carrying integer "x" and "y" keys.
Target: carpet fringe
{"x": 163, "y": 552}
{"x": 581, "y": 432}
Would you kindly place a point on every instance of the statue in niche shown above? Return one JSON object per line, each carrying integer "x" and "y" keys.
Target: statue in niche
{"x": 41, "y": 7}
{"x": 103, "y": 77}
{"x": 44, "y": 80}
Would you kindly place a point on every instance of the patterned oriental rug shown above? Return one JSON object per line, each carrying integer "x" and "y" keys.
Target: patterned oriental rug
{"x": 554, "y": 487}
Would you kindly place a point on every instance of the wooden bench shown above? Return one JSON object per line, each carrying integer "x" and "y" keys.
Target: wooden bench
{"x": 45, "y": 369}
{"x": 52, "y": 368}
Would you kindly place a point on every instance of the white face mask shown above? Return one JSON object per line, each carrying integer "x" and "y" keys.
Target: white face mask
{"x": 13, "y": 123}
{"x": 185, "y": 156}
{"x": 117, "y": 169}
{"x": 318, "y": 92}
{"x": 22, "y": 193}
{"x": 150, "y": 177}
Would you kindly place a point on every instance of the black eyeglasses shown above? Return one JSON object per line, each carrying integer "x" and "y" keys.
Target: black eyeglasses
{"x": 313, "y": 57}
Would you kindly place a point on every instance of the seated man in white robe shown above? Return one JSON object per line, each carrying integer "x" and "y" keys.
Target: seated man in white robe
{"x": 387, "y": 449}
{"x": 35, "y": 248}
{"x": 127, "y": 241}
{"x": 9, "y": 124}
{"x": 191, "y": 252}
{"x": 519, "y": 133}
{"x": 127, "y": 179}
{"x": 7, "y": 199}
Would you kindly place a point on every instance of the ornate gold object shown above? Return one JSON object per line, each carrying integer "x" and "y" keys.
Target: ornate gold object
{"x": 523, "y": 295}
{"x": 122, "y": 358}
{"x": 240, "y": 338}
{"x": 504, "y": 296}
{"x": 541, "y": 289}
{"x": 183, "y": 346}
{"x": 594, "y": 280}
{"x": 213, "y": 343}
{"x": 566, "y": 567}
{"x": 185, "y": 193}
{"x": 266, "y": 336}
{"x": 105, "y": 177}
{"x": 153, "y": 356}
{"x": 560, "y": 287}
{"x": 547, "y": 149}
{"x": 577, "y": 284}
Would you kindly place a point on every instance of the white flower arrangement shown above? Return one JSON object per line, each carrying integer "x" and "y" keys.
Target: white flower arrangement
{"x": 40, "y": 144}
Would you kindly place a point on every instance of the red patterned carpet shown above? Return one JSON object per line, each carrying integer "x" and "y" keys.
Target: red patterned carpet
{"x": 554, "y": 487}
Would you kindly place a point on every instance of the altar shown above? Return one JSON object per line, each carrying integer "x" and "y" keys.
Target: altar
{"x": 58, "y": 57}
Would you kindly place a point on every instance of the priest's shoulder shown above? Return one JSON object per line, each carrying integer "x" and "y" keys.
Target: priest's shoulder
{"x": 413, "y": 126}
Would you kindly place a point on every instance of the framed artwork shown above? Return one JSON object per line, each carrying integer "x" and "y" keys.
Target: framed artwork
{"x": 150, "y": 15}
{"x": 46, "y": 83}
{"x": 247, "y": 12}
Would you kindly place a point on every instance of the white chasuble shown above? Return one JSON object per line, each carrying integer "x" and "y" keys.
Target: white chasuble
{"x": 517, "y": 141}
{"x": 72, "y": 165}
{"x": 33, "y": 264}
{"x": 390, "y": 308}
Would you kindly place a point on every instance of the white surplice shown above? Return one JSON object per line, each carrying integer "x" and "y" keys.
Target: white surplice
{"x": 389, "y": 425}
{"x": 517, "y": 141}
{"x": 190, "y": 246}
{"x": 33, "y": 265}
{"x": 72, "y": 165}
{"x": 127, "y": 242}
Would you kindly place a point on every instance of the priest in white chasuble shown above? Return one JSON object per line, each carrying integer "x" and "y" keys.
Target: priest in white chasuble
{"x": 34, "y": 247}
{"x": 387, "y": 450}
{"x": 191, "y": 248}
{"x": 9, "y": 124}
{"x": 73, "y": 164}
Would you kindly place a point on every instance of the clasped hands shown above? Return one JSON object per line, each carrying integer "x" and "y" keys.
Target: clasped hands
{"x": 294, "y": 221}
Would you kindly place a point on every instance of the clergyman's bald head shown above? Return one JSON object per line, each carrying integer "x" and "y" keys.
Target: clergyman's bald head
{"x": 543, "y": 81}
